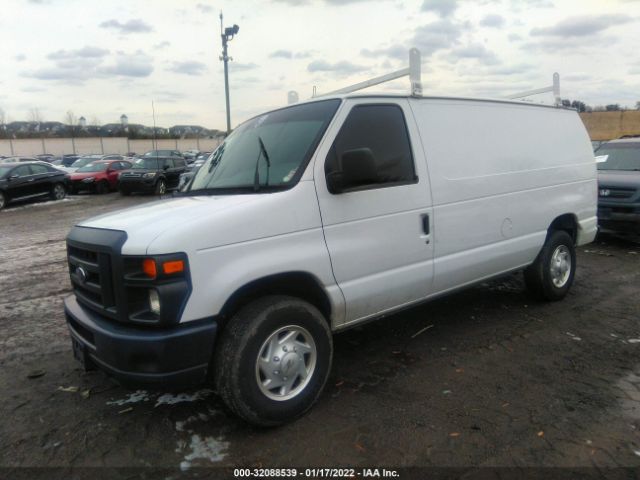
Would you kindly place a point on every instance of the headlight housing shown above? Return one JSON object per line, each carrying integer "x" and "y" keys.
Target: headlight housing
{"x": 88, "y": 179}
{"x": 149, "y": 175}
{"x": 156, "y": 288}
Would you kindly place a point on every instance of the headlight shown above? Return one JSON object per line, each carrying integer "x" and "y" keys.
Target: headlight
{"x": 154, "y": 301}
{"x": 149, "y": 175}
{"x": 88, "y": 179}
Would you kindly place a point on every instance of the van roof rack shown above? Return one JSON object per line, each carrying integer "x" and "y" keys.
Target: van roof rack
{"x": 413, "y": 71}
{"x": 555, "y": 88}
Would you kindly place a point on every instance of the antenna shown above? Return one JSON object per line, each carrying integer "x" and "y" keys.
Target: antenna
{"x": 155, "y": 141}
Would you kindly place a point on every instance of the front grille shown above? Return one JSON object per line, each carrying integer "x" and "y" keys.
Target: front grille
{"x": 92, "y": 280}
{"x": 617, "y": 192}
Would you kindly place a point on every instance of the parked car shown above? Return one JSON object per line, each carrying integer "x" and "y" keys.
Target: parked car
{"x": 191, "y": 171}
{"x": 81, "y": 162}
{"x": 27, "y": 180}
{"x": 68, "y": 160}
{"x": 318, "y": 217}
{"x": 18, "y": 159}
{"x": 152, "y": 175}
{"x": 100, "y": 176}
{"x": 619, "y": 185}
{"x": 163, "y": 153}
{"x": 190, "y": 155}
{"x": 45, "y": 157}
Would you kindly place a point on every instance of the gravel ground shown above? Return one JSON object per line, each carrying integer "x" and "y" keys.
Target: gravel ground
{"x": 483, "y": 378}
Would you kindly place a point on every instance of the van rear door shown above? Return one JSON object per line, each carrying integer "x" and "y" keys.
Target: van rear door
{"x": 374, "y": 197}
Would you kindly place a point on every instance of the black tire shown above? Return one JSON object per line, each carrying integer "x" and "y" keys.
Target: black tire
{"x": 58, "y": 192}
{"x": 3, "y": 200}
{"x": 125, "y": 193}
{"x": 236, "y": 358}
{"x": 161, "y": 187}
{"x": 102, "y": 188}
{"x": 539, "y": 277}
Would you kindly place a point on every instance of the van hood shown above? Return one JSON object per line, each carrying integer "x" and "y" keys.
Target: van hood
{"x": 146, "y": 222}
{"x": 619, "y": 178}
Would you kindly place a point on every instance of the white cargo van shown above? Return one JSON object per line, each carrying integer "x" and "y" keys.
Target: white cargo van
{"x": 317, "y": 217}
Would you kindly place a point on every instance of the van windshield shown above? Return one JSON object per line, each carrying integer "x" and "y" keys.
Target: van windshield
{"x": 621, "y": 156}
{"x": 267, "y": 153}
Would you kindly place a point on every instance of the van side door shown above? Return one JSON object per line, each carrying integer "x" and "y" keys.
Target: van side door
{"x": 375, "y": 201}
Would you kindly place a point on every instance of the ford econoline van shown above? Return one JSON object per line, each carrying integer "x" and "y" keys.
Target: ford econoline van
{"x": 317, "y": 217}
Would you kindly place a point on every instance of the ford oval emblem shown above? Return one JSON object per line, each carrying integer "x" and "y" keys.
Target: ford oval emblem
{"x": 81, "y": 274}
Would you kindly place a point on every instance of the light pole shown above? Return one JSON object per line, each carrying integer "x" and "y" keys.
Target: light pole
{"x": 227, "y": 34}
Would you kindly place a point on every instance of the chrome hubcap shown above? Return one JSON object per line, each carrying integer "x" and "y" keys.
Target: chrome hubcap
{"x": 162, "y": 188}
{"x": 286, "y": 362}
{"x": 560, "y": 266}
{"x": 58, "y": 192}
{"x": 1, "y": 200}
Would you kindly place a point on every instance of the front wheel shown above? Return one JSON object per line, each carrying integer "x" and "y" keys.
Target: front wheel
{"x": 273, "y": 360}
{"x": 161, "y": 187}
{"x": 102, "y": 188}
{"x": 551, "y": 275}
{"x": 58, "y": 192}
{"x": 3, "y": 200}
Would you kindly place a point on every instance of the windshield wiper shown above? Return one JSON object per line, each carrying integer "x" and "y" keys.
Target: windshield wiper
{"x": 256, "y": 176}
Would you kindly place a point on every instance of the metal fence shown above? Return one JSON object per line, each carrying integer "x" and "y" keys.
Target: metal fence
{"x": 104, "y": 145}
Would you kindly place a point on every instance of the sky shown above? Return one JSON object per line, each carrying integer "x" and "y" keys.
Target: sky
{"x": 104, "y": 58}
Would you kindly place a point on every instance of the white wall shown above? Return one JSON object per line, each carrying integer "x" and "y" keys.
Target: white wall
{"x": 59, "y": 146}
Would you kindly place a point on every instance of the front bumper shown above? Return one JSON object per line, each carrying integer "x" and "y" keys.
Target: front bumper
{"x": 140, "y": 185}
{"x": 619, "y": 217}
{"x": 80, "y": 186}
{"x": 174, "y": 357}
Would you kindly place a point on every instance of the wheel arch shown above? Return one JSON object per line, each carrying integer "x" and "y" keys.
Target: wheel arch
{"x": 567, "y": 222}
{"x": 299, "y": 284}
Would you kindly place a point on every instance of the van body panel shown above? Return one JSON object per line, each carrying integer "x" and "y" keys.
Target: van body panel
{"x": 500, "y": 174}
{"x": 379, "y": 252}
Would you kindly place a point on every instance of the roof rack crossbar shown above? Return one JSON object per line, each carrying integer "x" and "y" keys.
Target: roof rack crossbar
{"x": 555, "y": 88}
{"x": 413, "y": 71}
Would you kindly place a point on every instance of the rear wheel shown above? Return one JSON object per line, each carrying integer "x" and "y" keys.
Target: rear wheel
{"x": 102, "y": 187}
{"x": 551, "y": 275}
{"x": 161, "y": 187}
{"x": 58, "y": 192}
{"x": 273, "y": 360}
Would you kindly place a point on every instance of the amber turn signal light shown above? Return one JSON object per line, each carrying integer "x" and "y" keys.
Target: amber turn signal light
{"x": 174, "y": 266}
{"x": 149, "y": 267}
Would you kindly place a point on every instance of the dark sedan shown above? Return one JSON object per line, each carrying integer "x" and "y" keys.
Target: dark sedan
{"x": 27, "y": 180}
{"x": 152, "y": 175}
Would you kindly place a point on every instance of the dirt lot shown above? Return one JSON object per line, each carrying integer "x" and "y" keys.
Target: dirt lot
{"x": 496, "y": 379}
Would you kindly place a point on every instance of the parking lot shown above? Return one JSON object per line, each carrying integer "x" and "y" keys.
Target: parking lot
{"x": 485, "y": 377}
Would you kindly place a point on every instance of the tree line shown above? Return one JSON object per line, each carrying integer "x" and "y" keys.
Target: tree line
{"x": 583, "y": 107}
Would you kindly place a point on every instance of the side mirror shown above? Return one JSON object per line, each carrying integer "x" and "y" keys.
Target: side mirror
{"x": 358, "y": 168}
{"x": 13, "y": 177}
{"x": 166, "y": 167}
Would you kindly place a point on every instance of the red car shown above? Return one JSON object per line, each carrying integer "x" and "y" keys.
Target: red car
{"x": 100, "y": 176}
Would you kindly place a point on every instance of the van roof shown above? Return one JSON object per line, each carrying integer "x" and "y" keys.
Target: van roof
{"x": 434, "y": 97}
